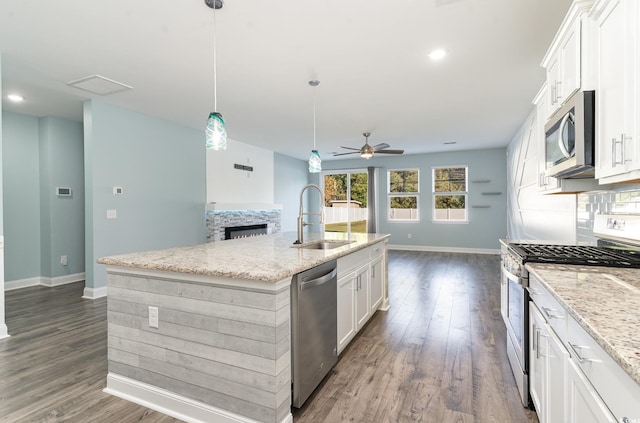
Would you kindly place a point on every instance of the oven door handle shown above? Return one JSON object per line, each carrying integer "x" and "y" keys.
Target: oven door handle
{"x": 511, "y": 276}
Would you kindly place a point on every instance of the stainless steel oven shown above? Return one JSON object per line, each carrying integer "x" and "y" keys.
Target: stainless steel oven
{"x": 515, "y": 312}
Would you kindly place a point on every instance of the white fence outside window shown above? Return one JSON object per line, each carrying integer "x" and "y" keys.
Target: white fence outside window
{"x": 344, "y": 214}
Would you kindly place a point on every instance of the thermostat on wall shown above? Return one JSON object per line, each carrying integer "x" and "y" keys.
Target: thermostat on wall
{"x": 63, "y": 192}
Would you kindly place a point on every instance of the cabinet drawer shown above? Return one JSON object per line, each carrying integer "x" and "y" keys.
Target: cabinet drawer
{"x": 554, "y": 313}
{"x": 376, "y": 250}
{"x": 351, "y": 261}
{"x": 617, "y": 389}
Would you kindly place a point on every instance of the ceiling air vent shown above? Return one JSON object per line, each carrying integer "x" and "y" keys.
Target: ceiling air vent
{"x": 100, "y": 85}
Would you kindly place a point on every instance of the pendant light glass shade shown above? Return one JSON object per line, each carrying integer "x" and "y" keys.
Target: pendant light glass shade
{"x": 216, "y": 132}
{"x": 315, "y": 163}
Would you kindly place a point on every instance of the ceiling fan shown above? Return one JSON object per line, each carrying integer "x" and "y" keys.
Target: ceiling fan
{"x": 367, "y": 151}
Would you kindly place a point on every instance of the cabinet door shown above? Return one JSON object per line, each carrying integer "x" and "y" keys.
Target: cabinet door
{"x": 346, "y": 310}
{"x": 569, "y": 80}
{"x": 615, "y": 94}
{"x": 557, "y": 357}
{"x": 538, "y": 378}
{"x": 583, "y": 402}
{"x": 553, "y": 77}
{"x": 377, "y": 283}
{"x": 362, "y": 296}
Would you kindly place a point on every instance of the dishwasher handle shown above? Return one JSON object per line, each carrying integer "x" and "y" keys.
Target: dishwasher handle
{"x": 318, "y": 281}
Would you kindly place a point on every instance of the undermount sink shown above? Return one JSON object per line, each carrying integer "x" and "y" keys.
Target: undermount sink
{"x": 323, "y": 245}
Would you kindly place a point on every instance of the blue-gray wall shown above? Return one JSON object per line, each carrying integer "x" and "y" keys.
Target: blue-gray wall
{"x": 62, "y": 218}
{"x": 21, "y": 193}
{"x": 161, "y": 168}
{"x": 40, "y": 155}
{"x": 485, "y": 226}
{"x": 290, "y": 175}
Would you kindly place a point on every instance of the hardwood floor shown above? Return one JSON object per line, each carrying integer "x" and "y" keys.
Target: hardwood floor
{"x": 438, "y": 355}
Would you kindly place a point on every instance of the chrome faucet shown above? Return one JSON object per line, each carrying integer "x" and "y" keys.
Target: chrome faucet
{"x": 301, "y": 222}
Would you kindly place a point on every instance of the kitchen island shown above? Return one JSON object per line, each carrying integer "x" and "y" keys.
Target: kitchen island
{"x": 202, "y": 333}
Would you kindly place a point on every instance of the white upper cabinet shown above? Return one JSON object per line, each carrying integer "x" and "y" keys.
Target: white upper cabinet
{"x": 564, "y": 61}
{"x": 617, "y": 143}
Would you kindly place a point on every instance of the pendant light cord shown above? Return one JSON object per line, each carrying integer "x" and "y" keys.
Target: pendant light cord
{"x": 314, "y": 118}
{"x": 215, "y": 82}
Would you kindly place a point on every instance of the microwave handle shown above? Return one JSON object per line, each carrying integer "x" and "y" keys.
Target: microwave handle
{"x": 563, "y": 147}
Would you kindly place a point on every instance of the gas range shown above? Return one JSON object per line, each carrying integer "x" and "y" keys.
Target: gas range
{"x": 582, "y": 255}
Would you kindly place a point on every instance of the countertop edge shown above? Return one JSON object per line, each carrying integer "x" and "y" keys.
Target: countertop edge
{"x": 121, "y": 261}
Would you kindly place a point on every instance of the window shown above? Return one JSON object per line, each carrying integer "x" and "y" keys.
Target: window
{"x": 403, "y": 188}
{"x": 450, "y": 194}
{"x": 345, "y": 201}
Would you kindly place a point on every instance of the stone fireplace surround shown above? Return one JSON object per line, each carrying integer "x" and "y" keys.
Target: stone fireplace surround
{"x": 218, "y": 217}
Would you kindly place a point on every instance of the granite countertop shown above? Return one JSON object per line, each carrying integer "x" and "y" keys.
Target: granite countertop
{"x": 268, "y": 258}
{"x": 605, "y": 301}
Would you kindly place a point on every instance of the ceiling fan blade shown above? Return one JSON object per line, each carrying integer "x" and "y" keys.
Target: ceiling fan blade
{"x": 381, "y": 146}
{"x": 390, "y": 151}
{"x": 344, "y": 154}
{"x": 350, "y": 148}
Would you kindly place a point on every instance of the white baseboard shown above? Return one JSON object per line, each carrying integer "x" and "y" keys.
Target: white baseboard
{"x": 22, "y": 283}
{"x": 174, "y": 405}
{"x": 94, "y": 293}
{"x": 43, "y": 281}
{"x": 444, "y": 249}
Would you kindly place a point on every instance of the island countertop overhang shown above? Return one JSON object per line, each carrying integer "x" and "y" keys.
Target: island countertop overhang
{"x": 267, "y": 258}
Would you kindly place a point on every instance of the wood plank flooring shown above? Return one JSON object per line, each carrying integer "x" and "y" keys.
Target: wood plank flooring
{"x": 438, "y": 355}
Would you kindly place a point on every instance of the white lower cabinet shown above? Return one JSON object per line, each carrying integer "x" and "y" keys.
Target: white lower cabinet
{"x": 583, "y": 402}
{"x": 572, "y": 379}
{"x": 547, "y": 362}
{"x": 362, "y": 282}
{"x": 377, "y": 283}
{"x": 346, "y": 310}
{"x": 361, "y": 285}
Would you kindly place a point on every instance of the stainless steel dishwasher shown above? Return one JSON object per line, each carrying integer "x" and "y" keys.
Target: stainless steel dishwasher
{"x": 314, "y": 332}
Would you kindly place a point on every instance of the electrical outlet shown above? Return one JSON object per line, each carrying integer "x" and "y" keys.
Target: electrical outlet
{"x": 63, "y": 260}
{"x": 112, "y": 214}
{"x": 409, "y": 236}
{"x": 153, "y": 317}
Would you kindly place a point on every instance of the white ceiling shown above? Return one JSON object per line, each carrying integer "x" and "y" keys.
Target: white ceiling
{"x": 370, "y": 57}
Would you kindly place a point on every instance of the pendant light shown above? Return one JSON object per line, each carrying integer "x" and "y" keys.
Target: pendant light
{"x": 216, "y": 132}
{"x": 315, "y": 163}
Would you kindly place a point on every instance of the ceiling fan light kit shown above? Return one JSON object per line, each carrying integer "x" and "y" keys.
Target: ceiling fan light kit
{"x": 368, "y": 151}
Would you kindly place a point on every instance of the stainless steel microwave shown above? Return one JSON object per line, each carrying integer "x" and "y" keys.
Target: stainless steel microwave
{"x": 570, "y": 138}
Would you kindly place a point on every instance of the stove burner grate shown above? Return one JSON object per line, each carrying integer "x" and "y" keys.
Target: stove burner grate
{"x": 576, "y": 254}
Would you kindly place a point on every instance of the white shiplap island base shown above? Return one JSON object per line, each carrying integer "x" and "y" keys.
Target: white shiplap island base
{"x": 221, "y": 351}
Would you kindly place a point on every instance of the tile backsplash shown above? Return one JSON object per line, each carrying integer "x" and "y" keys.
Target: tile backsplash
{"x": 624, "y": 200}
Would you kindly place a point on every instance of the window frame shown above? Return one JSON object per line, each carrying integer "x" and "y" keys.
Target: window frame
{"x": 464, "y": 194}
{"x": 391, "y": 195}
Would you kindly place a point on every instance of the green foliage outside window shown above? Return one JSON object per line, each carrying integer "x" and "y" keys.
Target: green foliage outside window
{"x": 335, "y": 188}
{"x": 450, "y": 202}
{"x": 450, "y": 179}
{"x": 403, "y": 181}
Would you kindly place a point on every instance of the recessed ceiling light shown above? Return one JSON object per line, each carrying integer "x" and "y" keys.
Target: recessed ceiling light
{"x": 16, "y": 98}
{"x": 437, "y": 54}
